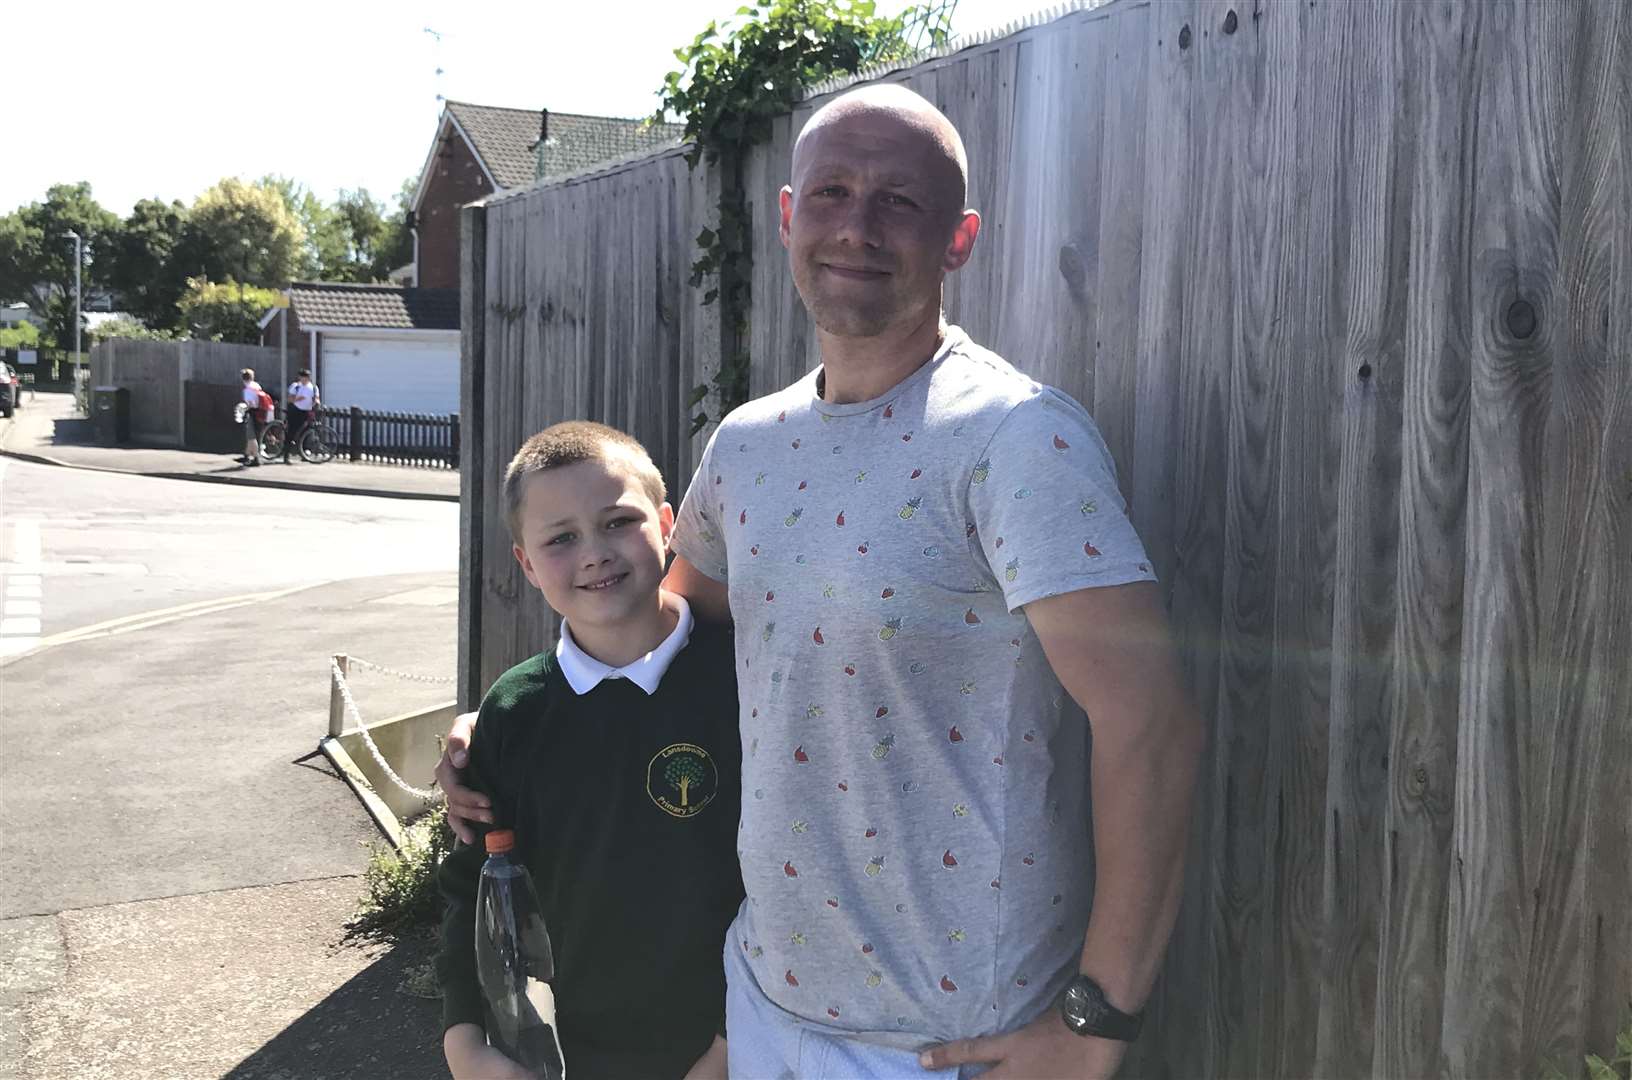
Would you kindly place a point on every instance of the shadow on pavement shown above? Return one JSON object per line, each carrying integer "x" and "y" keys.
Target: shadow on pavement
{"x": 72, "y": 431}
{"x": 367, "y": 1029}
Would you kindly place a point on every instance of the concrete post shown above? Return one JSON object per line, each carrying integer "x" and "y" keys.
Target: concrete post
{"x": 337, "y": 704}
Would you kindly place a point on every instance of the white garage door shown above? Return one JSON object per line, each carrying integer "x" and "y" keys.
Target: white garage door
{"x": 418, "y": 374}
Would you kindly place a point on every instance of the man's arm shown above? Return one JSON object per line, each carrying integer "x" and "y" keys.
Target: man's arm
{"x": 710, "y": 600}
{"x": 1112, "y": 650}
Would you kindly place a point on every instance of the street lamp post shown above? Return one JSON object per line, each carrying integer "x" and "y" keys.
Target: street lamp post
{"x": 79, "y": 259}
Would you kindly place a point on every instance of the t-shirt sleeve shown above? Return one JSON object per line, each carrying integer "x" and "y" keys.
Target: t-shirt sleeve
{"x": 1046, "y": 507}
{"x": 697, "y": 533}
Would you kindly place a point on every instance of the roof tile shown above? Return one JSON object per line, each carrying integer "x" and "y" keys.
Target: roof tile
{"x": 387, "y": 307}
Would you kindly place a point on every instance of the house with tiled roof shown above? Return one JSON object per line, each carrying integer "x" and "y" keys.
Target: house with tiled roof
{"x": 379, "y": 347}
{"x": 480, "y": 150}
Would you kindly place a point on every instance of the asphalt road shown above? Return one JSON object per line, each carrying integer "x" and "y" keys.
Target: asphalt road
{"x": 173, "y": 878}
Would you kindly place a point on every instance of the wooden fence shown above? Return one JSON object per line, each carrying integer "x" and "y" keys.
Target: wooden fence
{"x": 391, "y": 438}
{"x": 157, "y": 372}
{"x": 1348, "y": 288}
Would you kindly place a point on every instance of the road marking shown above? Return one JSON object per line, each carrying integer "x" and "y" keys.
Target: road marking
{"x": 146, "y": 620}
{"x": 20, "y": 622}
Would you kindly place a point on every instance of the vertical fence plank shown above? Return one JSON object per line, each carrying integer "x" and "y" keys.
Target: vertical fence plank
{"x": 1428, "y": 595}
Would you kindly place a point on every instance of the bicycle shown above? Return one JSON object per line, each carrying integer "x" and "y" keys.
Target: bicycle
{"x": 317, "y": 441}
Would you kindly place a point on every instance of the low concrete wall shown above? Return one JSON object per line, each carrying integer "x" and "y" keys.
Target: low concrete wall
{"x": 411, "y": 742}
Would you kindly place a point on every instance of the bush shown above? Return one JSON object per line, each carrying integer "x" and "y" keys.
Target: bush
{"x": 401, "y": 898}
{"x": 1616, "y": 1067}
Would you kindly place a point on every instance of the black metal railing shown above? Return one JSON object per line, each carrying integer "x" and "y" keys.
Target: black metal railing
{"x": 393, "y": 438}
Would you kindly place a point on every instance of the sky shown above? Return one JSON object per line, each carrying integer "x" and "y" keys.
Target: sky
{"x": 173, "y": 95}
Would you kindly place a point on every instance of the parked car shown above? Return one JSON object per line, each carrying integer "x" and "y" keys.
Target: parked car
{"x": 10, "y": 389}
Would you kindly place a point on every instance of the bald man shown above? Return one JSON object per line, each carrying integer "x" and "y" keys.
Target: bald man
{"x": 932, "y": 578}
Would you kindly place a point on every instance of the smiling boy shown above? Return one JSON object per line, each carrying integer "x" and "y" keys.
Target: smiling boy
{"x": 615, "y": 758}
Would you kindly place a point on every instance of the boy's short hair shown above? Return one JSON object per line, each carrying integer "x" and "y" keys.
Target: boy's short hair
{"x": 567, "y": 444}
{"x": 304, "y": 373}
{"x": 247, "y": 374}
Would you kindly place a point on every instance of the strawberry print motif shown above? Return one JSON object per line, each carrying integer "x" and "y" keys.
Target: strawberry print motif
{"x": 881, "y": 749}
{"x": 883, "y": 711}
{"x": 790, "y": 521}
{"x": 954, "y": 735}
{"x": 886, "y": 594}
{"x": 1030, "y": 736}
{"x": 1090, "y": 550}
{"x": 874, "y": 867}
{"x": 1030, "y": 859}
{"x": 983, "y": 469}
{"x": 949, "y": 860}
{"x": 998, "y": 760}
{"x": 782, "y": 417}
{"x": 1061, "y": 445}
{"x": 889, "y": 411}
{"x": 997, "y": 883}
{"x": 803, "y": 484}
{"x": 911, "y": 508}
{"x": 907, "y": 437}
{"x": 839, "y": 521}
{"x": 754, "y": 550}
{"x": 843, "y": 786}
{"x": 742, "y": 518}
{"x": 817, "y": 637}
{"x": 916, "y": 473}
{"x": 969, "y": 530}
{"x": 970, "y": 618}
{"x": 832, "y": 1010}
{"x": 891, "y": 628}
{"x": 870, "y": 833}
{"x": 799, "y": 755}
{"x": 1021, "y": 981}
{"x": 861, "y": 549}
{"x": 788, "y": 870}
{"x": 770, "y": 596}
{"x": 794, "y": 444}
{"x": 832, "y": 901}
{"x": 867, "y": 949}
{"x": 788, "y": 975}
{"x": 948, "y": 985}
{"x": 850, "y": 669}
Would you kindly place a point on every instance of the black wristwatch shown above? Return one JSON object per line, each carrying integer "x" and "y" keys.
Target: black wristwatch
{"x": 1086, "y": 1012}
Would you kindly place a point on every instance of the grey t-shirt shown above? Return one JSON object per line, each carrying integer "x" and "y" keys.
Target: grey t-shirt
{"x": 914, "y": 839}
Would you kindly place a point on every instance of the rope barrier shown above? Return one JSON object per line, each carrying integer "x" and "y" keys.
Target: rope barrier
{"x": 439, "y": 680}
{"x": 428, "y": 795}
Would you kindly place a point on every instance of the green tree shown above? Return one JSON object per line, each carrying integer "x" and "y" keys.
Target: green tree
{"x": 125, "y": 326}
{"x": 226, "y": 310}
{"x": 22, "y": 336}
{"x": 245, "y": 232}
{"x": 37, "y": 256}
{"x": 144, "y": 267}
{"x": 682, "y": 772}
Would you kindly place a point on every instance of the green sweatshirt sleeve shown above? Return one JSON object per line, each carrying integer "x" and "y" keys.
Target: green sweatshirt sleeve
{"x": 457, "y": 879}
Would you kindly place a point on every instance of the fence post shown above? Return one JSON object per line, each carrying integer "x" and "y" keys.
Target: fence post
{"x": 472, "y": 410}
{"x": 337, "y": 704}
{"x": 354, "y": 437}
{"x": 453, "y": 440}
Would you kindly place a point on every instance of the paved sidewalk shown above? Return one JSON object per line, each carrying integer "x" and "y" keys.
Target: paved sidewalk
{"x": 47, "y": 430}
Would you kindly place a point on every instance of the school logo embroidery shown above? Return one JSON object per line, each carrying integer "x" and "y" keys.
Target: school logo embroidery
{"x": 682, "y": 779}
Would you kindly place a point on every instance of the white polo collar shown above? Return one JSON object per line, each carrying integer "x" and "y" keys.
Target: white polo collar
{"x": 584, "y": 672}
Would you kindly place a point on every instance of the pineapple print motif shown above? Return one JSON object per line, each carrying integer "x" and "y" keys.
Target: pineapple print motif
{"x": 890, "y": 629}
{"x": 882, "y": 748}
{"x": 1011, "y": 570}
{"x": 874, "y": 867}
{"x": 874, "y": 978}
{"x": 983, "y": 469}
{"x": 1089, "y": 507}
{"x": 793, "y": 519}
{"x": 911, "y": 508}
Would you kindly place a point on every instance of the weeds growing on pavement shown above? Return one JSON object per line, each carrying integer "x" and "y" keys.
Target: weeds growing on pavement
{"x": 401, "y": 899}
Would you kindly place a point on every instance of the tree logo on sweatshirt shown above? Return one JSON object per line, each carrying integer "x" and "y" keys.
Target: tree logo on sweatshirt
{"x": 681, "y": 779}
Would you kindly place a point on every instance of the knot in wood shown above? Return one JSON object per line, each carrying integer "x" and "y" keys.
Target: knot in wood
{"x": 1074, "y": 269}
{"x": 1184, "y": 37}
{"x": 1419, "y": 780}
{"x": 1521, "y": 319}
{"x": 1230, "y": 21}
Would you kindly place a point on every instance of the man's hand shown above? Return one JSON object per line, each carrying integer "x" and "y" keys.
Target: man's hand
{"x": 470, "y": 1058}
{"x": 1044, "y": 1048}
{"x": 712, "y": 1065}
{"x": 464, "y": 805}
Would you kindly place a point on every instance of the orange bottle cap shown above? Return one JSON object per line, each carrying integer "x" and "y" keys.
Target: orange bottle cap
{"x": 500, "y": 840}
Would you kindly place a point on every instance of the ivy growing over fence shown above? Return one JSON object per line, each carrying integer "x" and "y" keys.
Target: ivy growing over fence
{"x": 734, "y": 80}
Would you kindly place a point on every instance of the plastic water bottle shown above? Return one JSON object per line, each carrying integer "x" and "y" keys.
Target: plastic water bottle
{"x": 514, "y": 963}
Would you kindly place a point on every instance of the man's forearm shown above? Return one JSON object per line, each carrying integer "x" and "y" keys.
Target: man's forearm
{"x": 1143, "y": 787}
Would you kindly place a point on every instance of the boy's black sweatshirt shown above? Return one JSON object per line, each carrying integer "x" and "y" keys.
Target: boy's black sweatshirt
{"x": 625, "y": 811}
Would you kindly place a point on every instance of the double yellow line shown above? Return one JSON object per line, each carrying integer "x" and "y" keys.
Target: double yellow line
{"x": 146, "y": 620}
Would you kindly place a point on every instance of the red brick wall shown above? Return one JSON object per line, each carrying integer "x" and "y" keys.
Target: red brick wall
{"x": 456, "y": 178}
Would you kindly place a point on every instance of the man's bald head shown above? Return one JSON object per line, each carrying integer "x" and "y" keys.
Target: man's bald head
{"x": 898, "y": 105}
